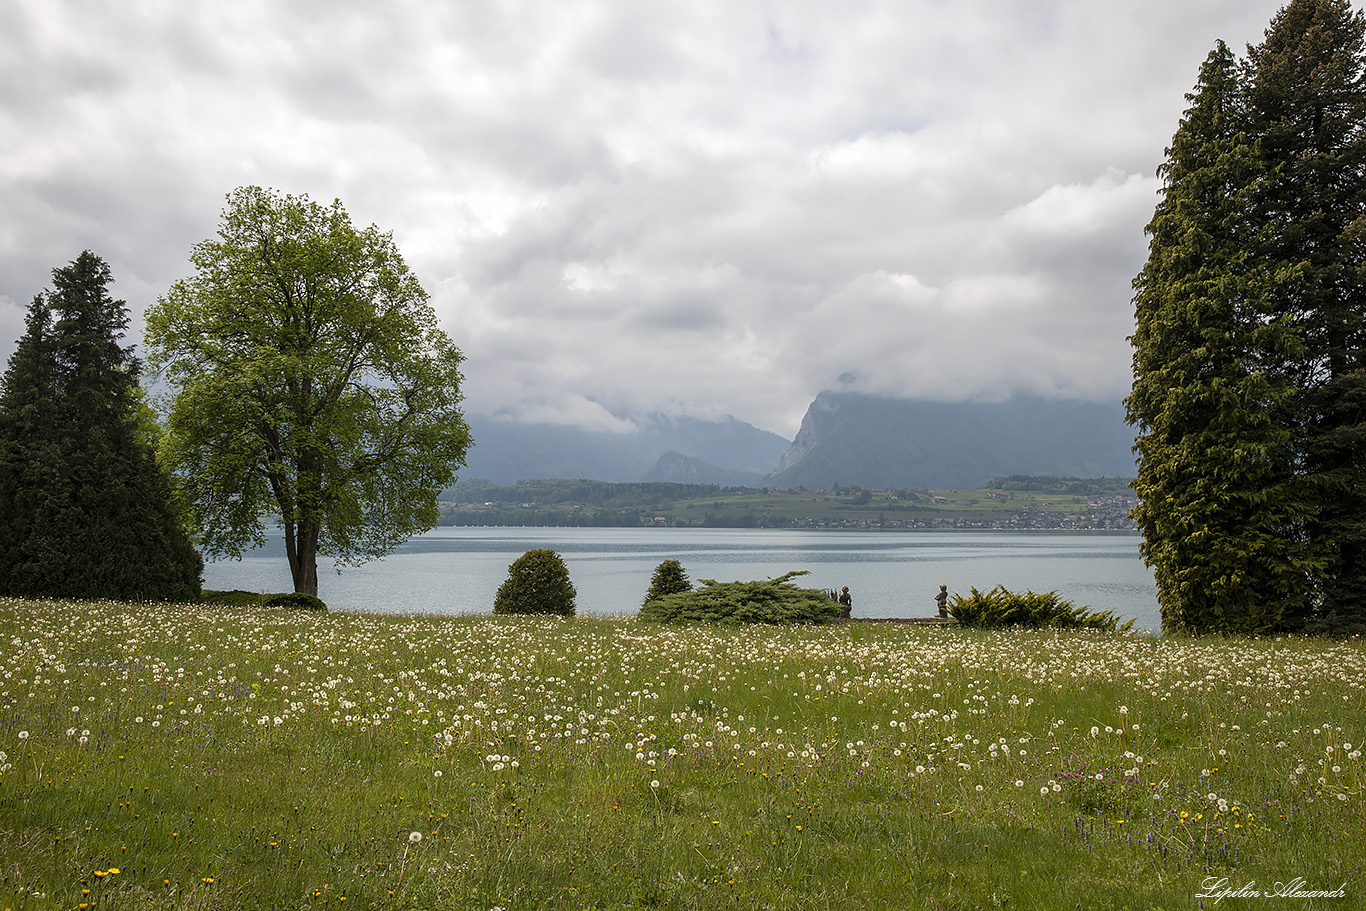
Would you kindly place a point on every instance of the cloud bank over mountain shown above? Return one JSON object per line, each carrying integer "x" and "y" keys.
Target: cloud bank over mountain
{"x": 700, "y": 209}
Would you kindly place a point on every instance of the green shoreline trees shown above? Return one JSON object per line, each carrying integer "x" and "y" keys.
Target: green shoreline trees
{"x": 1248, "y": 348}
{"x": 311, "y": 384}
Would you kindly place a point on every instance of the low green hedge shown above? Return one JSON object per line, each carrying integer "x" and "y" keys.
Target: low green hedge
{"x": 770, "y": 601}
{"x": 245, "y": 598}
{"x": 297, "y": 599}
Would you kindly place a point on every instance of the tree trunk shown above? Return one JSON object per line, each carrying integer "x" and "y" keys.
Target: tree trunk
{"x": 301, "y": 547}
{"x": 306, "y": 572}
{"x": 309, "y": 515}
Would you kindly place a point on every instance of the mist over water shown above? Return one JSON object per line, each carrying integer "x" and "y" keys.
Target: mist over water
{"x": 457, "y": 570}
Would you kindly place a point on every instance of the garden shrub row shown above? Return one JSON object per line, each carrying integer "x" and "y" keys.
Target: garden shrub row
{"x": 1000, "y": 608}
{"x": 538, "y": 583}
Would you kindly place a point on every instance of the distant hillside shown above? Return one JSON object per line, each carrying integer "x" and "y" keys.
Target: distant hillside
{"x": 676, "y": 468}
{"x": 1017, "y": 502}
{"x": 506, "y": 452}
{"x": 849, "y": 438}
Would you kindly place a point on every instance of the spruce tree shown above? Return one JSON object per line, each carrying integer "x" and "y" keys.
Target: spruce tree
{"x": 85, "y": 512}
{"x": 1220, "y": 509}
{"x": 669, "y": 578}
{"x": 1307, "y": 106}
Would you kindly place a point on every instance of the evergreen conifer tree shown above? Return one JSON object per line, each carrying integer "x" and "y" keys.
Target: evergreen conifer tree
{"x": 1307, "y": 108}
{"x": 1250, "y": 347}
{"x": 1219, "y": 503}
{"x": 85, "y": 512}
{"x": 29, "y": 461}
{"x": 669, "y": 578}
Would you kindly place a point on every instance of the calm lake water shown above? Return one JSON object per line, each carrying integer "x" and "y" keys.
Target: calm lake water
{"x": 454, "y": 570}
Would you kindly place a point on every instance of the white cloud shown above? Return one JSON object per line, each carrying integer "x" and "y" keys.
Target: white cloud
{"x": 710, "y": 208}
{"x": 1076, "y": 210}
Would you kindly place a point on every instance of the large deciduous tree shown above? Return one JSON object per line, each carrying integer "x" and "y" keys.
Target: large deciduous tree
{"x": 1249, "y": 389}
{"x": 311, "y": 386}
{"x": 85, "y": 512}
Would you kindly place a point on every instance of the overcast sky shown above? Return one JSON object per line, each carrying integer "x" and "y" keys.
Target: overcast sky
{"x": 706, "y": 207}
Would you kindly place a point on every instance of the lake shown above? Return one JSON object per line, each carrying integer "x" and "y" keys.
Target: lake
{"x": 455, "y": 570}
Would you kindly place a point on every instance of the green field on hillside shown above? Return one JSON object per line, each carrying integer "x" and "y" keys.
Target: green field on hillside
{"x": 1005, "y": 503}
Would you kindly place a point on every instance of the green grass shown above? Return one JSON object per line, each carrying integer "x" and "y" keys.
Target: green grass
{"x": 252, "y": 757}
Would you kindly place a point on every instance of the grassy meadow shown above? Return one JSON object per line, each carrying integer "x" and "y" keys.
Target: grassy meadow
{"x": 203, "y": 757}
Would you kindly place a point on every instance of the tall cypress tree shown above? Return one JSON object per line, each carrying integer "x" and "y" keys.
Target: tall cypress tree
{"x": 85, "y": 512}
{"x": 1307, "y": 106}
{"x": 1219, "y": 508}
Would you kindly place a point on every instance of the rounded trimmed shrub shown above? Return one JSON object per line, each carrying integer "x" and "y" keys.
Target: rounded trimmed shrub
{"x": 668, "y": 579}
{"x": 537, "y": 583}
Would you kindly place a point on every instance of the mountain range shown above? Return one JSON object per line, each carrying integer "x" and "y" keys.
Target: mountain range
{"x": 872, "y": 441}
{"x": 845, "y": 438}
{"x": 728, "y": 452}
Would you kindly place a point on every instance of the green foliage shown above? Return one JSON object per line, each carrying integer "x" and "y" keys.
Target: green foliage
{"x": 769, "y": 601}
{"x": 312, "y": 386}
{"x": 669, "y": 579}
{"x": 1249, "y": 365}
{"x": 85, "y": 512}
{"x": 1000, "y": 608}
{"x": 1306, "y": 90}
{"x": 1215, "y": 470}
{"x": 240, "y": 598}
{"x": 1019, "y": 501}
{"x": 297, "y": 599}
{"x": 1088, "y": 487}
{"x": 537, "y": 583}
{"x": 237, "y": 597}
